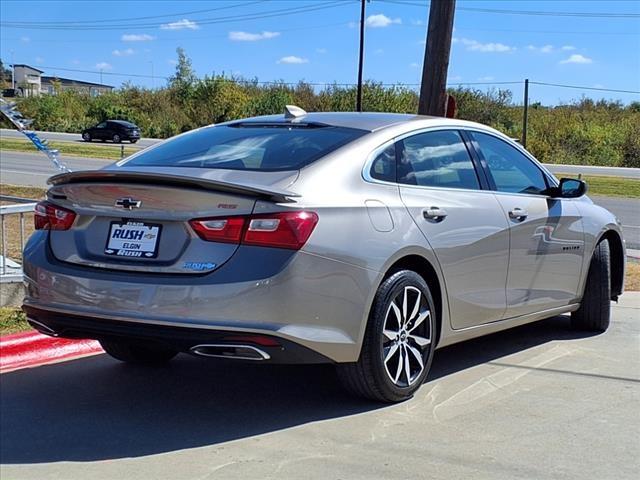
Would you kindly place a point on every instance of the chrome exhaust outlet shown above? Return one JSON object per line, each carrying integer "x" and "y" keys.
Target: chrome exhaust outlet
{"x": 235, "y": 352}
{"x": 42, "y": 328}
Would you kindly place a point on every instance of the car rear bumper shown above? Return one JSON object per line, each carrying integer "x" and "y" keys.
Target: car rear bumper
{"x": 311, "y": 301}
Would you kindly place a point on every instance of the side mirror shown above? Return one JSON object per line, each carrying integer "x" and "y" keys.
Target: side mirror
{"x": 568, "y": 188}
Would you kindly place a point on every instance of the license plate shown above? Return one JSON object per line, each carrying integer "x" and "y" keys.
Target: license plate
{"x": 133, "y": 240}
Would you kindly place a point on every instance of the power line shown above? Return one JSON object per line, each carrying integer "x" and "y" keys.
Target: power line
{"x": 206, "y": 21}
{"x": 131, "y": 19}
{"x": 577, "y": 87}
{"x": 543, "y": 13}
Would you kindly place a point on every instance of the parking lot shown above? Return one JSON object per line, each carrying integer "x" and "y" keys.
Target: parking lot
{"x": 539, "y": 401}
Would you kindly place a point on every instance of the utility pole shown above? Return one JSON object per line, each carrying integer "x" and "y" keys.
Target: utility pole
{"x": 361, "y": 59}
{"x": 433, "y": 91}
{"x": 525, "y": 113}
{"x": 153, "y": 80}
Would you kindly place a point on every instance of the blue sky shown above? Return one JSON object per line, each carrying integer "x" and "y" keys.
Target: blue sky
{"x": 320, "y": 42}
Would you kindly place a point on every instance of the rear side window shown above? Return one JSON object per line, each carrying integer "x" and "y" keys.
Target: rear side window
{"x": 436, "y": 159}
{"x": 511, "y": 170}
{"x": 383, "y": 166}
{"x": 248, "y": 147}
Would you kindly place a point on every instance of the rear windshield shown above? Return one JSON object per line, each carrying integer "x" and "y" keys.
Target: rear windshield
{"x": 248, "y": 147}
{"x": 124, "y": 124}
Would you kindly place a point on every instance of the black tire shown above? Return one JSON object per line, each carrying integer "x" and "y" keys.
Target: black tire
{"x": 116, "y": 138}
{"x": 133, "y": 141}
{"x": 86, "y": 136}
{"x": 595, "y": 308}
{"x": 370, "y": 376}
{"x": 141, "y": 353}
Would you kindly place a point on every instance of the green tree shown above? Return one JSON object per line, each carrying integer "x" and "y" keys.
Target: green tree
{"x": 183, "y": 81}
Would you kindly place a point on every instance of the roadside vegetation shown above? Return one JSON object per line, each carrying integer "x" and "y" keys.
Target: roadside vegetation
{"x": 609, "y": 186}
{"x": 12, "y": 320}
{"x": 583, "y": 132}
{"x": 106, "y": 151}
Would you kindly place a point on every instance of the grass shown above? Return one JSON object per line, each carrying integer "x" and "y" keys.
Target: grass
{"x": 12, "y": 320}
{"x": 108, "y": 151}
{"x": 609, "y": 186}
{"x": 632, "y": 277}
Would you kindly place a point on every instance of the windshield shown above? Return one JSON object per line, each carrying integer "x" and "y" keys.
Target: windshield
{"x": 248, "y": 147}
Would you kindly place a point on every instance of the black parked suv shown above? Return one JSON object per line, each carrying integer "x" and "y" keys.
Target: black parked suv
{"x": 114, "y": 130}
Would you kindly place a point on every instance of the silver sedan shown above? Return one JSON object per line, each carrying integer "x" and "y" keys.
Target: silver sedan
{"x": 366, "y": 240}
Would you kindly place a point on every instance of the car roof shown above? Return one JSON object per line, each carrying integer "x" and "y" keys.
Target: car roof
{"x": 368, "y": 121}
{"x": 122, "y": 122}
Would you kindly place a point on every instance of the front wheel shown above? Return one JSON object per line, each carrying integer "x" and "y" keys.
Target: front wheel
{"x": 116, "y": 138}
{"x": 133, "y": 141}
{"x": 131, "y": 352}
{"x": 398, "y": 344}
{"x": 595, "y": 308}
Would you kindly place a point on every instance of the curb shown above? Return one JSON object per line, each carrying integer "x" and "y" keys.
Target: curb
{"x": 32, "y": 349}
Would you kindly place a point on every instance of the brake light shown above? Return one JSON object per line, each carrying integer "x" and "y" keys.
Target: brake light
{"x": 226, "y": 230}
{"x": 48, "y": 216}
{"x": 280, "y": 230}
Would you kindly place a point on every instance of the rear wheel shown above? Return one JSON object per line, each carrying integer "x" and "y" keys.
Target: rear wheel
{"x": 131, "y": 352}
{"x": 399, "y": 341}
{"x": 116, "y": 138}
{"x": 595, "y": 308}
{"x": 86, "y": 136}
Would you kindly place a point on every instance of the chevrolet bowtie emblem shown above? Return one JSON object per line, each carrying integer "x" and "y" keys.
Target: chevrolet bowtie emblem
{"x": 128, "y": 203}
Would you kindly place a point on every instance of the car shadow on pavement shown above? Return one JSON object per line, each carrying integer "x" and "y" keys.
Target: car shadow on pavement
{"x": 98, "y": 409}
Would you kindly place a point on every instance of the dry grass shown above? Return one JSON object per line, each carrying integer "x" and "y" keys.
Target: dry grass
{"x": 12, "y": 320}
{"x": 632, "y": 277}
{"x": 12, "y": 225}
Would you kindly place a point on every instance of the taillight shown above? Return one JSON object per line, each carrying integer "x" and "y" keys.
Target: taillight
{"x": 227, "y": 230}
{"x": 280, "y": 230}
{"x": 48, "y": 216}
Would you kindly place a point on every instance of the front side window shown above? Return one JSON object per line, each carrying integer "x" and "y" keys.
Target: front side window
{"x": 436, "y": 159}
{"x": 511, "y": 170}
{"x": 102, "y": 125}
{"x": 263, "y": 147}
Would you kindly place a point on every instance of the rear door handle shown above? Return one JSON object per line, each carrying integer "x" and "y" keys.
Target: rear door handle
{"x": 434, "y": 213}
{"x": 518, "y": 214}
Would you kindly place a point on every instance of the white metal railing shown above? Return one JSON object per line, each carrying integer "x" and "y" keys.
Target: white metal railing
{"x": 10, "y": 270}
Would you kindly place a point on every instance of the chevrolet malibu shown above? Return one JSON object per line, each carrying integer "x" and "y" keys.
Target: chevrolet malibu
{"x": 365, "y": 240}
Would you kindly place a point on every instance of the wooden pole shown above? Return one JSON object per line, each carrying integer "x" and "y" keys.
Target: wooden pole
{"x": 361, "y": 58}
{"x": 433, "y": 91}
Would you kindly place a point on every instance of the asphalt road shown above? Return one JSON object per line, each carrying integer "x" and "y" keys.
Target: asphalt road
{"x": 71, "y": 137}
{"x": 536, "y": 402}
{"x": 18, "y": 168}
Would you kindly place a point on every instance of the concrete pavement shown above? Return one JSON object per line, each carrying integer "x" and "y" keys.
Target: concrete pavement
{"x": 536, "y": 402}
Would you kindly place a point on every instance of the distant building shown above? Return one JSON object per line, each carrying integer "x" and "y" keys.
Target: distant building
{"x": 31, "y": 82}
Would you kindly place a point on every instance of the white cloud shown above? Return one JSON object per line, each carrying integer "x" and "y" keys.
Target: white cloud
{"x": 321, "y": 51}
{"x": 39, "y": 60}
{"x": 378, "y": 51}
{"x": 123, "y": 53}
{"x": 293, "y": 60}
{"x": 476, "y": 46}
{"x": 455, "y": 78}
{"x": 417, "y": 22}
{"x": 137, "y": 37}
{"x": 180, "y": 25}
{"x": 543, "y": 49}
{"x": 103, "y": 66}
{"x": 487, "y": 78}
{"x": 414, "y": 65}
{"x": 568, "y": 48}
{"x": 577, "y": 58}
{"x": 75, "y": 61}
{"x": 252, "y": 37}
{"x": 25, "y": 39}
{"x": 380, "y": 20}
{"x": 172, "y": 62}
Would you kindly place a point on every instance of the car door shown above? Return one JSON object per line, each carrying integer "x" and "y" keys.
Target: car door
{"x": 546, "y": 234}
{"x": 100, "y": 131}
{"x": 462, "y": 222}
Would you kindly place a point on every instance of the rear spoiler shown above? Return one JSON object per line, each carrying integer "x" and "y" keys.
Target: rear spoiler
{"x": 111, "y": 176}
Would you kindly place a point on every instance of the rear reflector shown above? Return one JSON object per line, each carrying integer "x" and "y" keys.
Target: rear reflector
{"x": 289, "y": 230}
{"x": 48, "y": 216}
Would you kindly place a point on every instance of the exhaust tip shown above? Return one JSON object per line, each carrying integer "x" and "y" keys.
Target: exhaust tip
{"x": 235, "y": 352}
{"x": 42, "y": 328}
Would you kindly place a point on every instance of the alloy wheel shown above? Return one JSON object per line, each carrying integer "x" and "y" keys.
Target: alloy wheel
{"x": 406, "y": 338}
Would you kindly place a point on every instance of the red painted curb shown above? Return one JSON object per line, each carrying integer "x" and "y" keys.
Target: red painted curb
{"x": 32, "y": 349}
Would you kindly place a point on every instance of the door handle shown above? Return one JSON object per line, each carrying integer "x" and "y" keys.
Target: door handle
{"x": 434, "y": 213}
{"x": 518, "y": 214}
